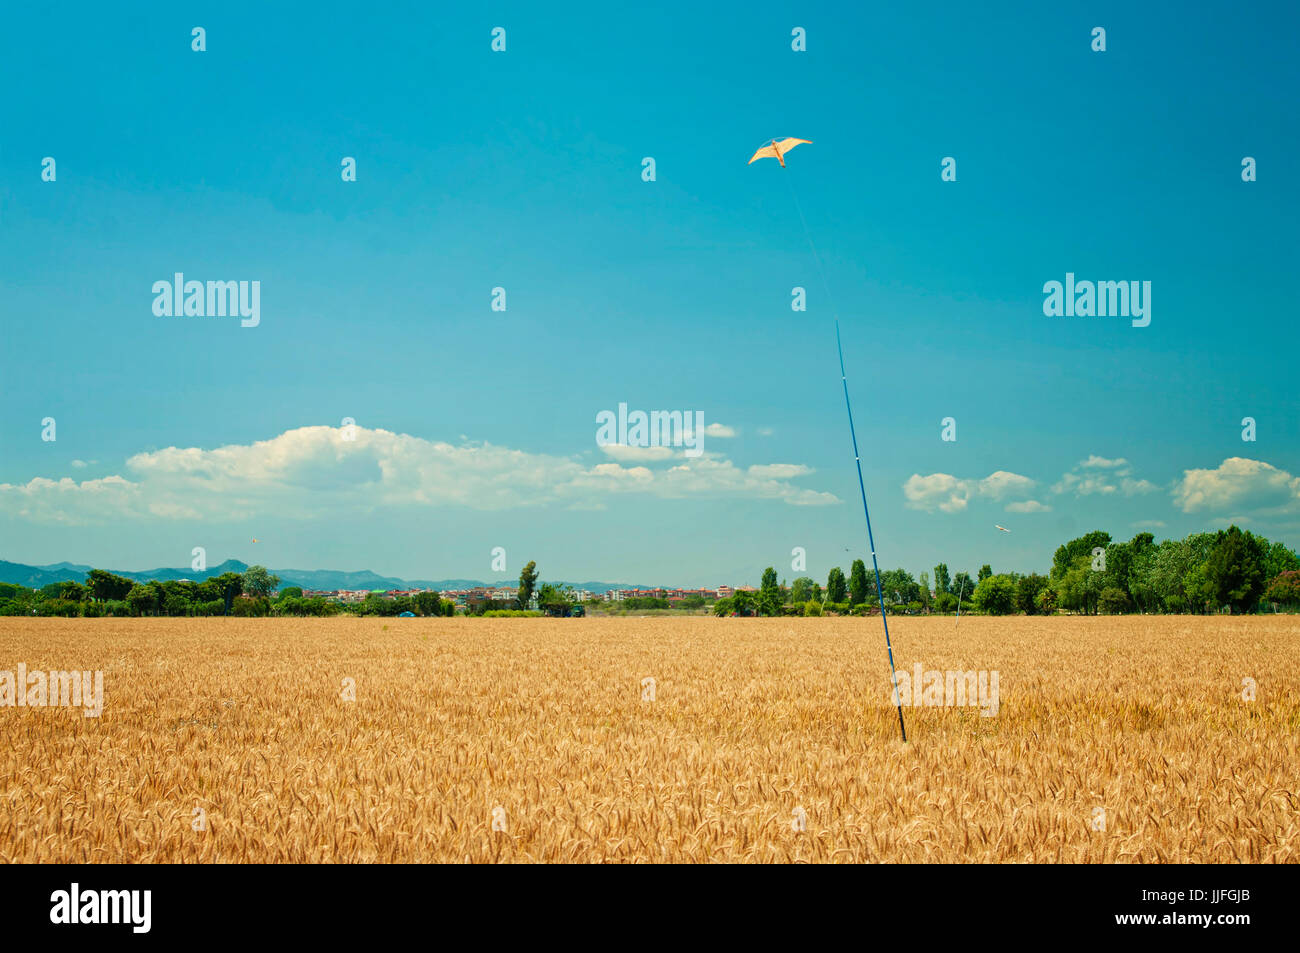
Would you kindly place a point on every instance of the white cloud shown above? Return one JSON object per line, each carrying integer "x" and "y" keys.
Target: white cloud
{"x": 1001, "y": 483}
{"x": 60, "y": 501}
{"x": 1028, "y": 506}
{"x": 943, "y": 491}
{"x": 1085, "y": 485}
{"x": 1134, "y": 487}
{"x": 312, "y": 471}
{"x": 623, "y": 452}
{"x": 1115, "y": 477}
{"x": 1238, "y": 481}
{"x": 779, "y": 471}
{"x": 719, "y": 430}
{"x": 1095, "y": 461}
{"x": 1149, "y": 524}
{"x": 937, "y": 491}
{"x": 765, "y": 431}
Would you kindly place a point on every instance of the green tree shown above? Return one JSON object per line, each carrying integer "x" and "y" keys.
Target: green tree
{"x": 801, "y": 590}
{"x": 858, "y": 583}
{"x": 159, "y": 595}
{"x": 228, "y": 585}
{"x": 942, "y": 581}
{"x": 769, "y": 594}
{"x": 291, "y": 592}
{"x": 1280, "y": 559}
{"x": 428, "y": 603}
{"x": 926, "y": 596}
{"x": 1078, "y": 588}
{"x": 1234, "y": 570}
{"x": 1284, "y": 587}
{"x": 1141, "y": 584}
{"x": 141, "y": 600}
{"x": 742, "y": 603}
{"x": 1068, "y": 553}
{"x": 962, "y": 586}
{"x": 258, "y": 582}
{"x": 1027, "y": 590}
{"x": 527, "y": 585}
{"x": 1047, "y": 601}
{"x": 551, "y": 597}
{"x": 1114, "y": 601}
{"x": 837, "y": 589}
{"x": 995, "y": 595}
{"x": 898, "y": 584}
{"x": 985, "y": 571}
{"x": 105, "y": 586}
{"x": 1178, "y": 574}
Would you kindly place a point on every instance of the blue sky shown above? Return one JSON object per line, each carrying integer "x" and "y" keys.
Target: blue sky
{"x": 522, "y": 170}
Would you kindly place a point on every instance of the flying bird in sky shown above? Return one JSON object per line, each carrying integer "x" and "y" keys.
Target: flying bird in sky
{"x": 1003, "y": 528}
{"x": 776, "y": 149}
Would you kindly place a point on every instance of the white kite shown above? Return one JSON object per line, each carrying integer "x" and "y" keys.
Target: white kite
{"x": 776, "y": 149}
{"x": 1001, "y": 527}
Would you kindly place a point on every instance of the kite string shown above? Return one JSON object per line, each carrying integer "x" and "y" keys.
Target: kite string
{"x": 807, "y": 232}
{"x": 857, "y": 459}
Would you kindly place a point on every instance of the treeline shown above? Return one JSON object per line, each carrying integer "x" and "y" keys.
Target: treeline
{"x": 247, "y": 594}
{"x": 1232, "y": 570}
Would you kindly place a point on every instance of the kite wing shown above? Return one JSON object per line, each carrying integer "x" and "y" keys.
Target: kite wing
{"x": 777, "y": 150}
{"x": 1003, "y": 528}
{"x": 785, "y": 145}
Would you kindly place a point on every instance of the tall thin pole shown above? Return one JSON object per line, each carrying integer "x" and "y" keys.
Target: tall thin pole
{"x": 862, "y": 488}
{"x": 959, "y": 595}
{"x": 857, "y": 459}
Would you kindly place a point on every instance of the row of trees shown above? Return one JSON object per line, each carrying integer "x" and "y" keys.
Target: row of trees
{"x": 250, "y": 593}
{"x": 1232, "y": 570}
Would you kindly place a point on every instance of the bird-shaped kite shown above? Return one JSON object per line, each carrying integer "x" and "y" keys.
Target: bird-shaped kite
{"x": 1003, "y": 528}
{"x": 776, "y": 149}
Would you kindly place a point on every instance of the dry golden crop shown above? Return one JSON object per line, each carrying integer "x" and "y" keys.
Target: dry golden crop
{"x": 755, "y": 725}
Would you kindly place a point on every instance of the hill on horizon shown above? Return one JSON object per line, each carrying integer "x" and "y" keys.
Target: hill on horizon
{"x": 37, "y": 576}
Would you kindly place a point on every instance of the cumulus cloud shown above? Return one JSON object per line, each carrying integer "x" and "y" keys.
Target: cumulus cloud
{"x": 1095, "y": 461}
{"x": 1103, "y": 477}
{"x": 310, "y": 471}
{"x": 1238, "y": 482}
{"x": 779, "y": 471}
{"x": 719, "y": 430}
{"x": 1028, "y": 506}
{"x": 1001, "y": 484}
{"x": 950, "y": 494}
{"x": 621, "y": 451}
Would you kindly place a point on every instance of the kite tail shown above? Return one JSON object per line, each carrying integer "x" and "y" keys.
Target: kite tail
{"x": 857, "y": 459}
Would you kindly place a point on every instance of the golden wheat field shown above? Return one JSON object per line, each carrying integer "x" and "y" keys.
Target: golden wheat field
{"x": 757, "y": 727}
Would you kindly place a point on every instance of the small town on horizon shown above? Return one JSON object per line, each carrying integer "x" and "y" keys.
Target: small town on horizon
{"x": 479, "y": 595}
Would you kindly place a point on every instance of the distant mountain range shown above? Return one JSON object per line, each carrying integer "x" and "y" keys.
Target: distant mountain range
{"x": 37, "y": 576}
